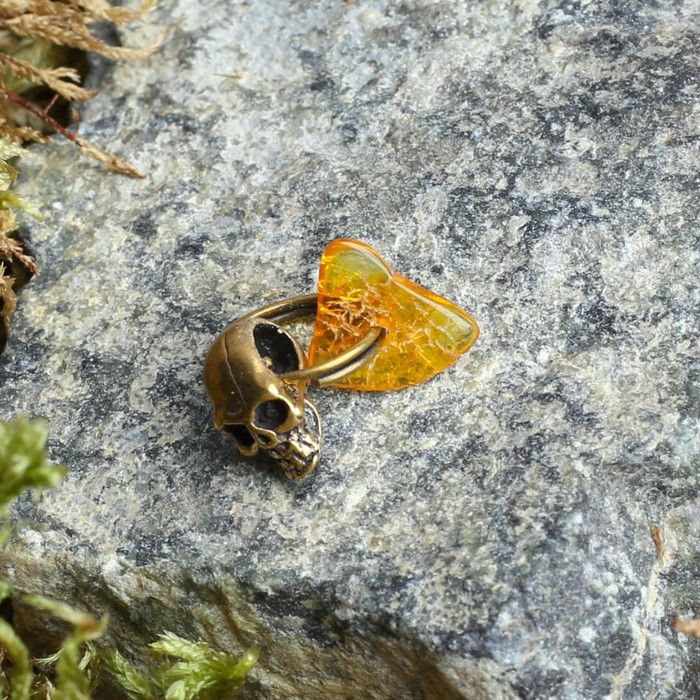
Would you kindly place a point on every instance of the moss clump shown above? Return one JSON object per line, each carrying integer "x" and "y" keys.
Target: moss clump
{"x": 186, "y": 670}
{"x": 71, "y": 673}
{"x": 199, "y": 673}
{"x": 43, "y": 49}
{"x": 38, "y": 38}
{"x": 24, "y": 463}
{"x": 16, "y": 267}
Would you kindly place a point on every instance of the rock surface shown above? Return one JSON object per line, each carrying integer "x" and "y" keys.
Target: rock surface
{"x": 484, "y": 535}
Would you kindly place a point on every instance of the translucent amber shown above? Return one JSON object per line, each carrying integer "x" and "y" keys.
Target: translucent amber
{"x": 358, "y": 291}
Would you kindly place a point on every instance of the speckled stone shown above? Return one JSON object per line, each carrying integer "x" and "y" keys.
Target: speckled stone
{"x": 483, "y": 535}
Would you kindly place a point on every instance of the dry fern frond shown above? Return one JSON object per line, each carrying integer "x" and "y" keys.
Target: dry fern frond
{"x": 20, "y": 134}
{"x": 68, "y": 24}
{"x": 11, "y": 250}
{"x": 689, "y": 627}
{"x": 7, "y": 296}
{"x": 7, "y": 306}
{"x": 38, "y": 41}
{"x": 71, "y": 30}
{"x": 102, "y": 10}
{"x": 114, "y": 163}
{"x": 63, "y": 81}
{"x": 16, "y": 266}
{"x": 95, "y": 9}
{"x": 32, "y": 35}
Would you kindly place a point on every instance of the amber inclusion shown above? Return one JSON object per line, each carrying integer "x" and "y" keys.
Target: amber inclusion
{"x": 358, "y": 291}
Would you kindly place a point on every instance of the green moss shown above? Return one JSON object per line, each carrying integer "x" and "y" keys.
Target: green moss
{"x": 199, "y": 673}
{"x": 72, "y": 671}
{"x": 17, "y": 685}
{"x": 24, "y": 463}
{"x": 184, "y": 671}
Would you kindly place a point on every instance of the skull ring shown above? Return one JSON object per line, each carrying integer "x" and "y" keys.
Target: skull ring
{"x": 374, "y": 331}
{"x": 256, "y": 376}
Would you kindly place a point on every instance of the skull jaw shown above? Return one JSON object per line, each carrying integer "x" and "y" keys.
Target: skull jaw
{"x": 250, "y": 442}
{"x": 298, "y": 452}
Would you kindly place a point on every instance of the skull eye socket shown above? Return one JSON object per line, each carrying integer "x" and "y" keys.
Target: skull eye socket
{"x": 270, "y": 415}
{"x": 240, "y": 434}
{"x": 273, "y": 343}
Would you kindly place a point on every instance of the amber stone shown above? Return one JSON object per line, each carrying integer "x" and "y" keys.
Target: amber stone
{"x": 358, "y": 291}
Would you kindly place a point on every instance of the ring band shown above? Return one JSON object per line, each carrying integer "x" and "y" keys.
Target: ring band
{"x": 330, "y": 371}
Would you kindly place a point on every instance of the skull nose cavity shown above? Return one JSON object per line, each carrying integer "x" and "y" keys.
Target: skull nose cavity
{"x": 270, "y": 415}
{"x": 243, "y": 437}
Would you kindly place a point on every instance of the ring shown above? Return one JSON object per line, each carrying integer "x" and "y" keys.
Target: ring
{"x": 374, "y": 331}
{"x": 334, "y": 369}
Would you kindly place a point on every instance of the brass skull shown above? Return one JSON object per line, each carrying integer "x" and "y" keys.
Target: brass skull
{"x": 252, "y": 401}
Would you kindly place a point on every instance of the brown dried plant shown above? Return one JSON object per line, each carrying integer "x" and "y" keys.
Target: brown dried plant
{"x": 690, "y": 627}
{"x": 16, "y": 267}
{"x": 39, "y": 40}
{"x": 33, "y": 34}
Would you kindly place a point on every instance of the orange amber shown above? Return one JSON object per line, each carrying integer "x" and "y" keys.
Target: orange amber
{"x": 358, "y": 291}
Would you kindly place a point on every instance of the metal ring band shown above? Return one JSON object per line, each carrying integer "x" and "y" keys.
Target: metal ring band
{"x": 330, "y": 371}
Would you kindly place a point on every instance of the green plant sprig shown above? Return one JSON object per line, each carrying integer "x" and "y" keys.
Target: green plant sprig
{"x": 24, "y": 463}
{"x": 201, "y": 673}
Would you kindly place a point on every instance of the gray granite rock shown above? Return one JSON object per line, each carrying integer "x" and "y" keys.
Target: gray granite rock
{"x": 484, "y": 535}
